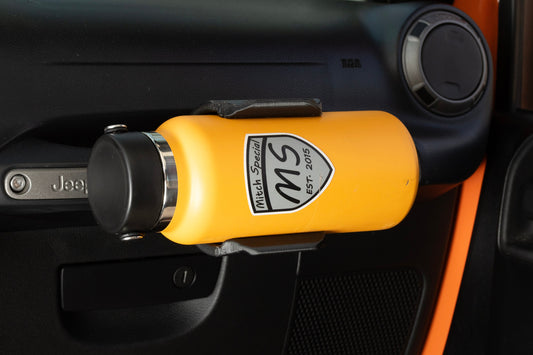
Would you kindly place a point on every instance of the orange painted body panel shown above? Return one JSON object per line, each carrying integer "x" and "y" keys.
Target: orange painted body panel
{"x": 372, "y": 188}
{"x": 485, "y": 14}
{"x": 455, "y": 264}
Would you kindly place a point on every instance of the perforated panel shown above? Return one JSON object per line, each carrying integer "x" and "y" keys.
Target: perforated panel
{"x": 359, "y": 313}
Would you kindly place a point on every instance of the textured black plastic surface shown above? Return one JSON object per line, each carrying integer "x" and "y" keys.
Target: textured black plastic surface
{"x": 126, "y": 182}
{"x": 419, "y": 243}
{"x": 251, "y": 302}
{"x": 70, "y": 70}
{"x": 360, "y": 313}
{"x": 136, "y": 283}
{"x": 84, "y": 66}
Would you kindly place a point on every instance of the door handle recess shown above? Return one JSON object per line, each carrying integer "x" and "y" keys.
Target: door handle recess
{"x": 515, "y": 234}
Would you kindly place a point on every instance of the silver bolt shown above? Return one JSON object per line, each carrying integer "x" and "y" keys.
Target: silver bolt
{"x": 18, "y": 183}
{"x": 130, "y": 236}
{"x": 115, "y": 128}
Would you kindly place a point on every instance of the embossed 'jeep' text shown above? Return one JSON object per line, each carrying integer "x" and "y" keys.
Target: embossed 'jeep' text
{"x": 68, "y": 185}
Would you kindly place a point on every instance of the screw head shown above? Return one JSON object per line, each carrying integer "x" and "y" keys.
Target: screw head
{"x": 184, "y": 277}
{"x": 18, "y": 183}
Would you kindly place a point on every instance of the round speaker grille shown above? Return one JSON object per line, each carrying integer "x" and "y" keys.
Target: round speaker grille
{"x": 444, "y": 63}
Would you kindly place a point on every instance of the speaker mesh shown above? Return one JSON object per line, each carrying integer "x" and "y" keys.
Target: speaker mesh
{"x": 360, "y": 313}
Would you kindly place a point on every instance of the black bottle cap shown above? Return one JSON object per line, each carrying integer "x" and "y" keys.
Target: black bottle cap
{"x": 126, "y": 183}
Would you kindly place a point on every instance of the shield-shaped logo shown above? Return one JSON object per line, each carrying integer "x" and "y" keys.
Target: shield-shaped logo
{"x": 283, "y": 172}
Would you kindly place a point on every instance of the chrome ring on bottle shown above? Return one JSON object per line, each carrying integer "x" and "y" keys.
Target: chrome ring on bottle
{"x": 170, "y": 174}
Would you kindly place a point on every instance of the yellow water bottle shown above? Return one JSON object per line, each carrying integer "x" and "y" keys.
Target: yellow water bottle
{"x": 204, "y": 179}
